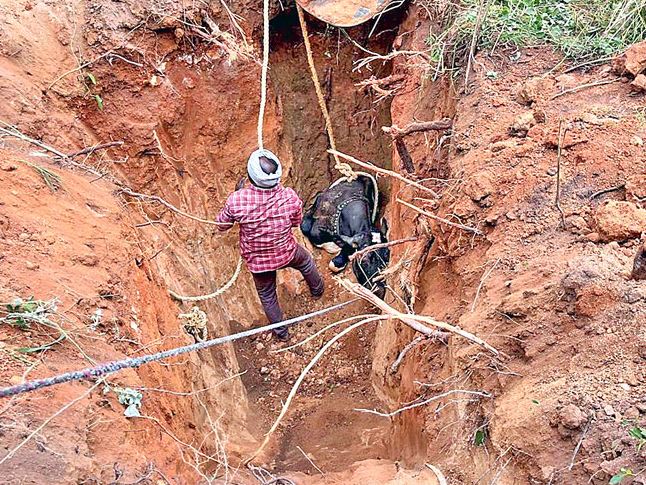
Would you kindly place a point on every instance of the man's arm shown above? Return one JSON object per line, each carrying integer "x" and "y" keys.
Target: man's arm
{"x": 296, "y": 215}
{"x": 225, "y": 218}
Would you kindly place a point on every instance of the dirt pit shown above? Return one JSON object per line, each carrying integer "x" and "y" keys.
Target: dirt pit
{"x": 549, "y": 286}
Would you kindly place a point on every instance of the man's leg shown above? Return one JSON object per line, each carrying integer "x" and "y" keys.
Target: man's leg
{"x": 303, "y": 262}
{"x": 266, "y": 288}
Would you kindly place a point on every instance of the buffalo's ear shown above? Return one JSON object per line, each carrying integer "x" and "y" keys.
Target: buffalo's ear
{"x": 384, "y": 229}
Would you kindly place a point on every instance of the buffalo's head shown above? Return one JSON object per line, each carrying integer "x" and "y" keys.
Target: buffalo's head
{"x": 367, "y": 266}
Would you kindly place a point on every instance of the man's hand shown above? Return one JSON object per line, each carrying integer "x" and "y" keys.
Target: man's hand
{"x": 241, "y": 183}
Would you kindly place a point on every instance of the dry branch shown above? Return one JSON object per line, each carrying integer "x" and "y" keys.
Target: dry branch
{"x": 304, "y": 372}
{"x": 562, "y": 134}
{"x": 441, "y": 219}
{"x": 409, "y": 346}
{"x": 584, "y": 86}
{"x": 323, "y": 330}
{"x": 608, "y": 190}
{"x": 168, "y": 205}
{"x": 383, "y": 171}
{"x": 388, "y": 244}
{"x": 404, "y": 155}
{"x": 17, "y": 134}
{"x": 380, "y": 86}
{"x": 395, "y": 132}
{"x": 9, "y": 455}
{"x": 92, "y": 149}
{"x": 414, "y": 321}
{"x": 424, "y": 402}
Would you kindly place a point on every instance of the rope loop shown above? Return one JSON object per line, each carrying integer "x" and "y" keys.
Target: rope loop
{"x": 218, "y": 292}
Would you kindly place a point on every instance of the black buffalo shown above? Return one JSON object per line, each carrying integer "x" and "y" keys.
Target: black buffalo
{"x": 342, "y": 220}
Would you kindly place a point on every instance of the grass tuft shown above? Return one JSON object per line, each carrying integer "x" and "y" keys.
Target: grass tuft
{"x": 582, "y": 30}
{"x": 51, "y": 179}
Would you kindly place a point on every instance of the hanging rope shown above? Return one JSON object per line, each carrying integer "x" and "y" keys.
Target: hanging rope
{"x": 344, "y": 168}
{"x": 265, "y": 68}
{"x": 115, "y": 366}
{"x": 218, "y": 292}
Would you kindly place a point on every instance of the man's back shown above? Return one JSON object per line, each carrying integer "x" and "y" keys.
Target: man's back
{"x": 266, "y": 218}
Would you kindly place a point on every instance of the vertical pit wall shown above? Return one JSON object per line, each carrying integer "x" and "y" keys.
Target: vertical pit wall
{"x": 187, "y": 136}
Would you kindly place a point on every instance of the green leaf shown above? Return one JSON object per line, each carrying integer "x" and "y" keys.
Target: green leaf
{"x": 638, "y": 433}
{"x": 91, "y": 78}
{"x": 616, "y": 480}
{"x": 535, "y": 402}
{"x": 99, "y": 101}
{"x": 479, "y": 437}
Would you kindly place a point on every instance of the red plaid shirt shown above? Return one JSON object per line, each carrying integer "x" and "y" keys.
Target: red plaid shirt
{"x": 266, "y": 218}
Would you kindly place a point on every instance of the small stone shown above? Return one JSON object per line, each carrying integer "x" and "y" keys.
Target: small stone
{"x": 593, "y": 237}
{"x": 548, "y": 472}
{"x": 551, "y": 172}
{"x": 620, "y": 220}
{"x": 23, "y": 236}
{"x": 632, "y": 61}
{"x": 624, "y": 386}
{"x": 639, "y": 83}
{"x": 491, "y": 220}
{"x": 591, "y": 119}
{"x": 609, "y": 410}
{"x": 15, "y": 380}
{"x": 264, "y": 371}
{"x": 501, "y": 145}
{"x": 631, "y": 380}
{"x": 632, "y": 413}
{"x": 641, "y": 407}
{"x": 87, "y": 259}
{"x": 31, "y": 266}
{"x": 260, "y": 346}
{"x": 522, "y": 124}
{"x": 511, "y": 216}
{"x": 572, "y": 417}
{"x": 9, "y": 167}
{"x": 274, "y": 374}
{"x": 636, "y": 141}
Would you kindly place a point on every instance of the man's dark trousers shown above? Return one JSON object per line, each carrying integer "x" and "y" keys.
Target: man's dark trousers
{"x": 266, "y": 286}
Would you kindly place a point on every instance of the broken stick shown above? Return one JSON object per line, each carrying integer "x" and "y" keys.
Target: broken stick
{"x": 407, "y": 160}
{"x": 92, "y": 149}
{"x": 383, "y": 171}
{"x": 395, "y": 132}
{"x": 441, "y": 219}
{"x": 413, "y": 321}
{"x": 388, "y": 244}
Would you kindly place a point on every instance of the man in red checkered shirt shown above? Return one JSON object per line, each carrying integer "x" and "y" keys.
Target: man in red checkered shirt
{"x": 266, "y": 212}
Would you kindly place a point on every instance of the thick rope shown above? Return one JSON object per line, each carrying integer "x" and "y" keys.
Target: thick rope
{"x": 344, "y": 168}
{"x": 265, "y": 68}
{"x": 115, "y": 366}
{"x": 218, "y": 292}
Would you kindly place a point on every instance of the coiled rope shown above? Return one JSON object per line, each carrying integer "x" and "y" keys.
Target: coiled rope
{"x": 115, "y": 366}
{"x": 218, "y": 292}
{"x": 343, "y": 167}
